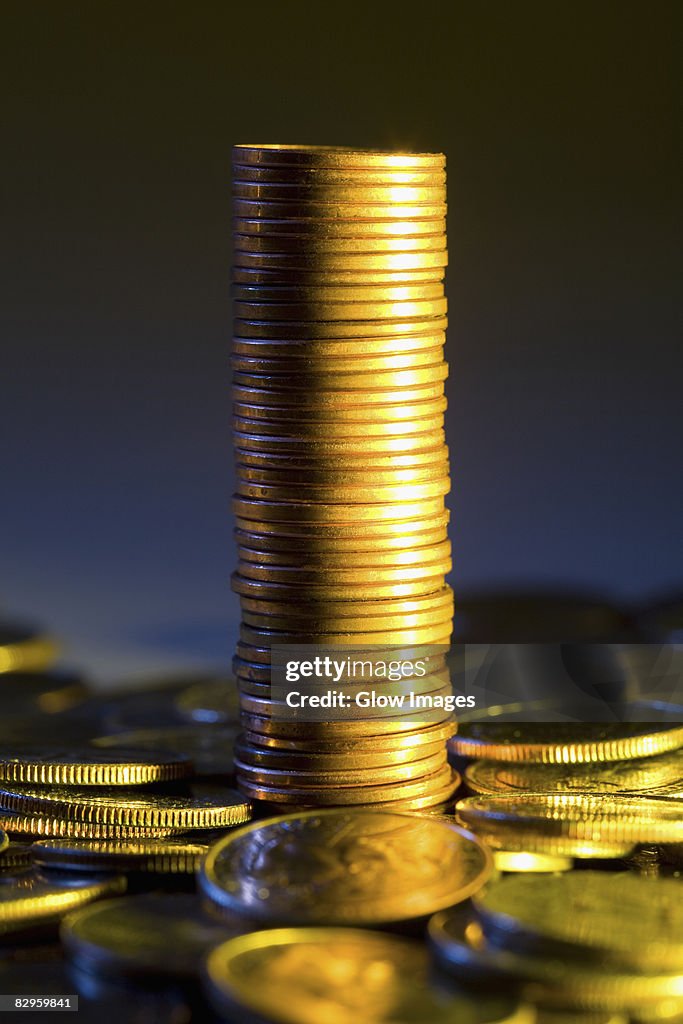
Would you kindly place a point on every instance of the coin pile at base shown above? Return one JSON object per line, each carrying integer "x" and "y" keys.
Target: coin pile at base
{"x": 341, "y": 462}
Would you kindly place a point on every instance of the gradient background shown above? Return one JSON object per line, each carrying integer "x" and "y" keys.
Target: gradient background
{"x": 565, "y": 419}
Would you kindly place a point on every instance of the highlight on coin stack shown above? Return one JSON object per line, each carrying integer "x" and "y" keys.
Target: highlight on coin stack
{"x": 341, "y": 462}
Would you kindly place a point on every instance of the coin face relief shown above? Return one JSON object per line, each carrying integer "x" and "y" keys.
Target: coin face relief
{"x": 333, "y": 867}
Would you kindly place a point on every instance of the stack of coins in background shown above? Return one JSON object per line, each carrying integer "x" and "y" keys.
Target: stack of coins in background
{"x": 342, "y": 468}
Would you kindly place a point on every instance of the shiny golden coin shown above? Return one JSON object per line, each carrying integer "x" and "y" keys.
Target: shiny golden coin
{"x": 328, "y": 575}
{"x": 593, "y": 819}
{"x": 364, "y": 293}
{"x": 308, "y": 244}
{"x": 338, "y": 194}
{"x": 337, "y": 430}
{"x": 334, "y": 210}
{"x": 429, "y": 603}
{"x": 347, "y": 777}
{"x": 156, "y": 856}
{"x": 432, "y": 633}
{"x": 276, "y": 975}
{"x": 384, "y": 380}
{"x": 374, "y": 263}
{"x": 324, "y": 547}
{"x": 305, "y": 365}
{"x": 370, "y": 592}
{"x": 566, "y": 742}
{"x": 432, "y": 803}
{"x": 50, "y": 825}
{"x": 358, "y": 230}
{"x": 396, "y": 512}
{"x": 277, "y": 155}
{"x": 368, "y": 402}
{"x": 253, "y": 676}
{"x": 358, "y": 560}
{"x": 342, "y": 866}
{"x": 461, "y": 949}
{"x": 362, "y": 530}
{"x": 354, "y": 329}
{"x": 398, "y": 461}
{"x": 648, "y": 776}
{"x": 410, "y": 741}
{"x": 336, "y": 176}
{"x": 321, "y": 278}
{"x": 313, "y": 310}
{"x": 520, "y": 862}
{"x": 344, "y": 728}
{"x": 339, "y": 348}
{"x": 351, "y": 494}
{"x": 320, "y": 476}
{"x": 198, "y": 806}
{"x": 340, "y": 448}
{"x": 344, "y": 796}
{"x": 86, "y": 767}
{"x": 318, "y": 624}
{"x": 350, "y": 756}
{"x": 626, "y": 921}
{"x": 207, "y": 748}
{"x": 23, "y": 649}
{"x": 39, "y": 901}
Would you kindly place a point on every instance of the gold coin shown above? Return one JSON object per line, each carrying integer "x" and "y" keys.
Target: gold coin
{"x": 337, "y": 349}
{"x": 340, "y": 576}
{"x": 158, "y": 856}
{"x": 567, "y": 742}
{"x": 338, "y": 194}
{"x": 23, "y": 649}
{"x": 340, "y": 447}
{"x": 337, "y": 176}
{"x": 208, "y": 748}
{"x": 331, "y": 248}
{"x": 39, "y": 901}
{"x": 432, "y": 633}
{"x": 329, "y": 276}
{"x": 313, "y": 310}
{"x": 87, "y": 767}
{"x": 383, "y": 380}
{"x": 432, "y": 603}
{"x": 368, "y": 401}
{"x": 318, "y": 295}
{"x": 648, "y": 776}
{"x": 369, "y": 592}
{"x": 346, "y": 796}
{"x": 626, "y": 922}
{"x": 360, "y": 530}
{"x": 335, "y": 209}
{"x": 337, "y": 430}
{"x": 344, "y": 778}
{"x": 268, "y": 975}
{"x": 348, "y": 493}
{"x": 437, "y": 680}
{"x": 318, "y": 624}
{"x": 354, "y": 329}
{"x": 51, "y": 825}
{"x": 358, "y": 230}
{"x": 405, "y": 461}
{"x": 336, "y": 866}
{"x": 375, "y": 263}
{"x": 351, "y": 756}
{"x": 344, "y": 728}
{"x": 199, "y": 806}
{"x": 591, "y": 819}
{"x": 518, "y": 862}
{"x": 337, "y": 547}
{"x": 412, "y": 740}
{"x": 271, "y": 155}
{"x": 371, "y": 512}
{"x": 318, "y": 476}
{"x": 304, "y": 366}
{"x": 260, "y": 672}
{"x": 358, "y": 560}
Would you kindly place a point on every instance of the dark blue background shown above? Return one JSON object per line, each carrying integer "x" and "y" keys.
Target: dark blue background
{"x": 564, "y": 425}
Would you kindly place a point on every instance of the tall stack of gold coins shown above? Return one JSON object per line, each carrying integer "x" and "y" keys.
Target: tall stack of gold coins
{"x": 341, "y": 462}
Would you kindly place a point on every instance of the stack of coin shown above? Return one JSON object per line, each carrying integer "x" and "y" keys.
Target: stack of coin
{"x": 340, "y": 452}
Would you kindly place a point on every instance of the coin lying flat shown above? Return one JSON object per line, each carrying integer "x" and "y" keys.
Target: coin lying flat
{"x": 338, "y": 866}
{"x": 151, "y": 934}
{"x": 87, "y": 767}
{"x": 647, "y": 776}
{"x": 627, "y": 921}
{"x": 38, "y": 901}
{"x": 208, "y": 749}
{"x": 53, "y": 825}
{"x": 566, "y": 742}
{"x": 197, "y": 806}
{"x": 171, "y": 856}
{"x": 308, "y": 975}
